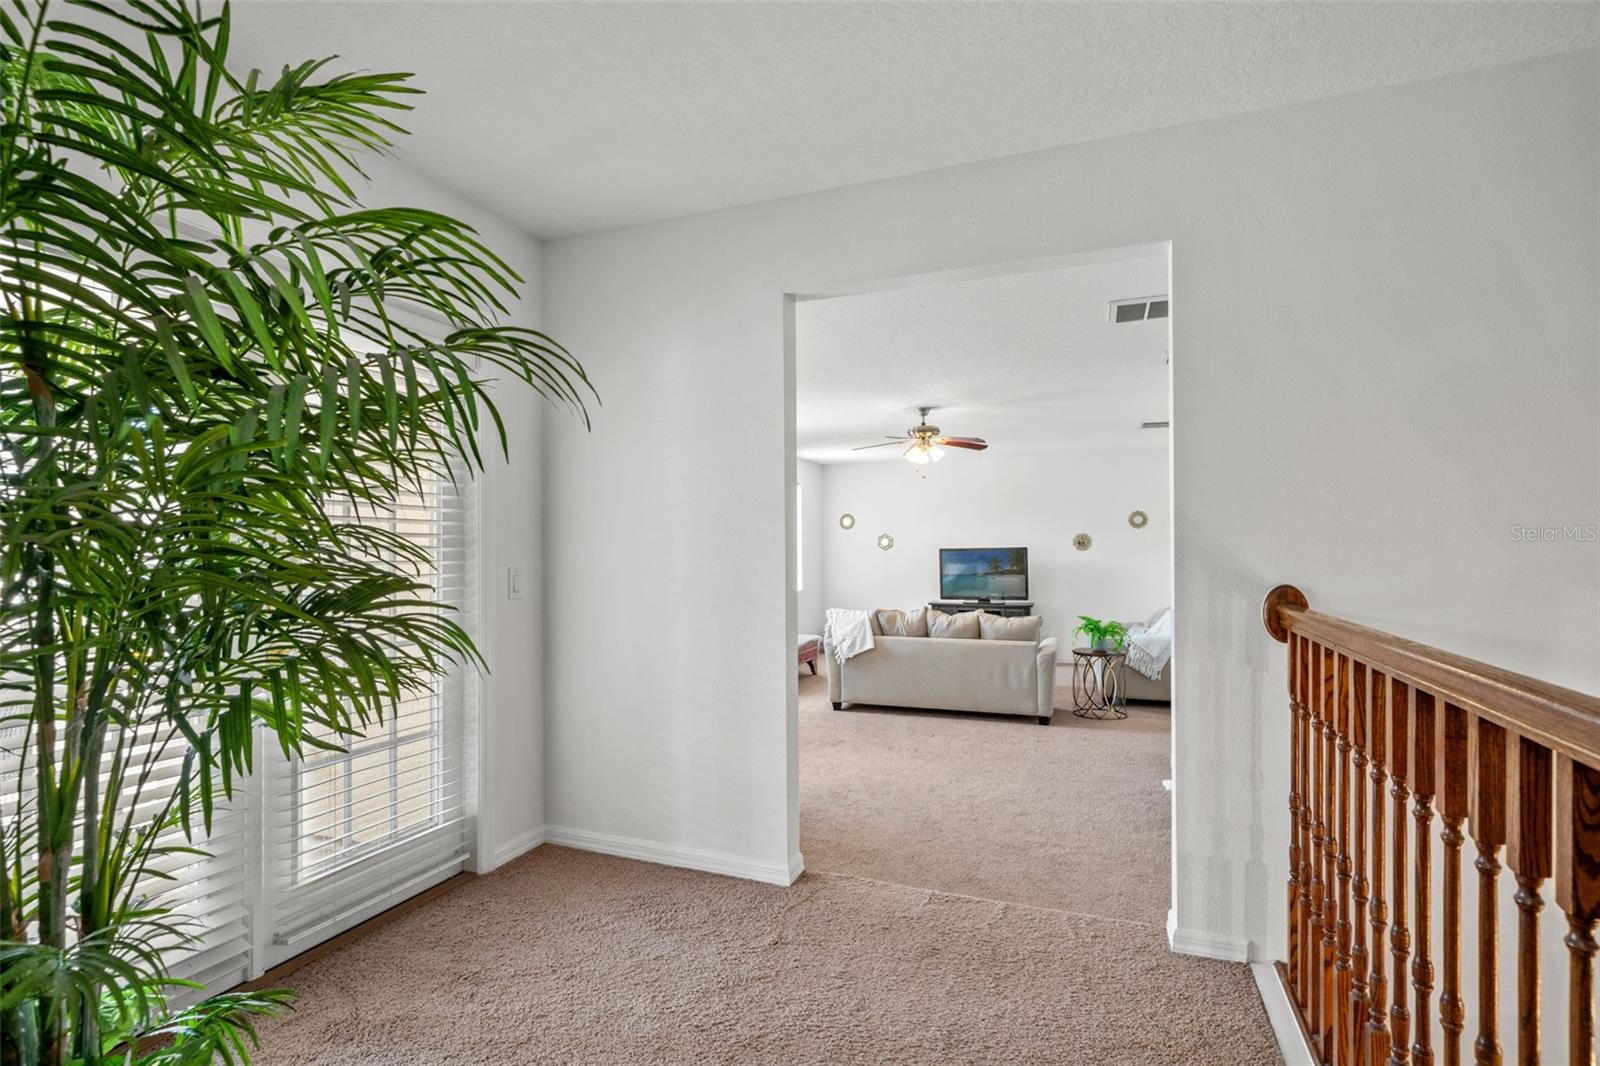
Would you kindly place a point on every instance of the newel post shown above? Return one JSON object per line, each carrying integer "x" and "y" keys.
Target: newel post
{"x": 1280, "y": 597}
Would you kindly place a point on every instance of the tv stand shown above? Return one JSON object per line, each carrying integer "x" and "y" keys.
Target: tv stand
{"x": 1003, "y": 608}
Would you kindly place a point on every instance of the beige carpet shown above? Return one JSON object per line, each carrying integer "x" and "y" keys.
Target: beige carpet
{"x": 1070, "y": 816}
{"x": 986, "y": 872}
{"x": 565, "y": 956}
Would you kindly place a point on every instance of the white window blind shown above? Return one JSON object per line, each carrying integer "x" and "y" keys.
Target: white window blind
{"x": 204, "y": 884}
{"x": 306, "y": 849}
{"x": 350, "y": 833}
{"x": 210, "y": 894}
{"x": 309, "y": 848}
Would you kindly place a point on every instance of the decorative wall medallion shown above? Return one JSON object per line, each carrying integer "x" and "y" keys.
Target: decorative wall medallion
{"x": 885, "y": 541}
{"x": 847, "y": 521}
{"x": 1082, "y": 542}
{"x": 1138, "y": 520}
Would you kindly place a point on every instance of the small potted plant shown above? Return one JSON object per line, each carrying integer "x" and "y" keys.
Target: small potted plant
{"x": 1102, "y": 636}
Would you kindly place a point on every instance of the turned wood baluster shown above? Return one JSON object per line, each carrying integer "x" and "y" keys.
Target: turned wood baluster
{"x": 1451, "y": 796}
{"x": 1399, "y": 934}
{"x": 1315, "y": 948}
{"x": 1377, "y": 908}
{"x": 1357, "y": 1044}
{"x": 1524, "y": 780}
{"x": 1341, "y": 964}
{"x": 1577, "y": 855}
{"x": 1330, "y": 859}
{"x": 1528, "y": 784}
{"x": 1423, "y": 743}
{"x": 1307, "y": 890}
{"x": 1294, "y": 813}
{"x": 1486, "y": 821}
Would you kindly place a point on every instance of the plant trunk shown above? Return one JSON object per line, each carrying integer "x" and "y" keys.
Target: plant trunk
{"x": 12, "y": 927}
{"x": 55, "y": 817}
{"x": 54, "y": 858}
{"x": 86, "y": 1030}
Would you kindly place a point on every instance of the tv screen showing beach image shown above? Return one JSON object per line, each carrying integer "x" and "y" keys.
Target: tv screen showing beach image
{"x": 983, "y": 573}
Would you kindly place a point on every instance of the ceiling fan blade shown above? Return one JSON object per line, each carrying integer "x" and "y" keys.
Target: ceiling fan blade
{"x": 885, "y": 444}
{"x": 975, "y": 444}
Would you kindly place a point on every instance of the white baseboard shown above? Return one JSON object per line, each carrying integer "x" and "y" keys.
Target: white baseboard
{"x": 715, "y": 862}
{"x": 1280, "y": 1012}
{"x": 797, "y": 866}
{"x": 1206, "y": 945}
{"x": 519, "y": 845}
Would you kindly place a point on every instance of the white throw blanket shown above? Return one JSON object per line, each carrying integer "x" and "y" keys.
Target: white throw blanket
{"x": 847, "y": 632}
{"x": 1150, "y": 646}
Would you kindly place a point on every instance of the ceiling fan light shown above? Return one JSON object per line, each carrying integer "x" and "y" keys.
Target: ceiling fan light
{"x": 922, "y": 453}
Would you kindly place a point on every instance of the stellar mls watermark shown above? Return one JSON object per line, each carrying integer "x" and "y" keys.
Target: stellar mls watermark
{"x": 1546, "y": 534}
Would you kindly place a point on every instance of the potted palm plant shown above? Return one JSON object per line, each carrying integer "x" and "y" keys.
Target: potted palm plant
{"x": 200, "y": 356}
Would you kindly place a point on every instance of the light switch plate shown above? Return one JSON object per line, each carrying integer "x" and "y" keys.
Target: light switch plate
{"x": 514, "y": 583}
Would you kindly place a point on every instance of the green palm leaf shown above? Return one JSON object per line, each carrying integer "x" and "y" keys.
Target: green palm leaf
{"x": 202, "y": 356}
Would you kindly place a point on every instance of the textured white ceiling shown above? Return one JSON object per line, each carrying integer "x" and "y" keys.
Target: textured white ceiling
{"x": 1029, "y": 362}
{"x": 574, "y": 117}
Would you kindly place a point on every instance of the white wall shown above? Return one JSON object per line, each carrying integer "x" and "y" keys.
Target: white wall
{"x": 1385, "y": 336}
{"x": 810, "y": 601}
{"x": 1035, "y": 501}
{"x": 510, "y": 492}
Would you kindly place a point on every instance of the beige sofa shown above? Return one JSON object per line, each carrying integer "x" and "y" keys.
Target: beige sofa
{"x": 989, "y": 676}
{"x": 1135, "y": 686}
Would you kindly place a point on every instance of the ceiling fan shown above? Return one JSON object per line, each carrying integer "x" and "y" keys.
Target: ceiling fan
{"x": 924, "y": 444}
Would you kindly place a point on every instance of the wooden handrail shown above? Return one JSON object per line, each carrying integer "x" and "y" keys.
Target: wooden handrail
{"x": 1504, "y": 761}
{"x": 1562, "y": 719}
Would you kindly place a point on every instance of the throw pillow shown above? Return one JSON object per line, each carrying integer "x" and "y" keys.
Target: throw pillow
{"x": 961, "y": 626}
{"x": 993, "y": 627}
{"x": 901, "y": 623}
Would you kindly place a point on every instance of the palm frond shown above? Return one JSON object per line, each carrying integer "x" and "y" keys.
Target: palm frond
{"x": 208, "y": 362}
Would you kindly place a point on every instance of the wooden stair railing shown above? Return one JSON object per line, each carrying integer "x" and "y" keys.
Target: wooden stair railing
{"x": 1507, "y": 762}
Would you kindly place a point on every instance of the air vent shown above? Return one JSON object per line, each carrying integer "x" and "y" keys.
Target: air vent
{"x": 1140, "y": 310}
{"x": 1155, "y": 425}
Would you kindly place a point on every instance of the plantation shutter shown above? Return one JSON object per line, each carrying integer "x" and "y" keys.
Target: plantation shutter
{"x": 349, "y": 834}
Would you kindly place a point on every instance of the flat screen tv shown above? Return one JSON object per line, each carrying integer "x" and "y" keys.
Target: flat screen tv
{"x": 983, "y": 573}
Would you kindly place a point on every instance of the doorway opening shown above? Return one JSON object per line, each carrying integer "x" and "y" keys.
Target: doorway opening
{"x": 983, "y": 459}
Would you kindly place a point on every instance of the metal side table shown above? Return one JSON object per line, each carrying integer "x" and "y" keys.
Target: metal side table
{"x": 1097, "y": 684}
